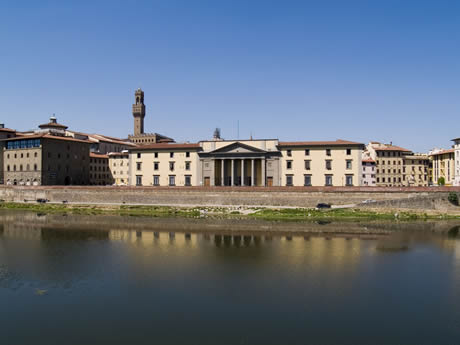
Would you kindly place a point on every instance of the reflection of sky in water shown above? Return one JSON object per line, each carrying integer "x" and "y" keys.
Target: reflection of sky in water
{"x": 124, "y": 286}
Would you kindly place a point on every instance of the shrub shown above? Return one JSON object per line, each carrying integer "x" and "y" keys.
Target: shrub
{"x": 453, "y": 198}
{"x": 441, "y": 181}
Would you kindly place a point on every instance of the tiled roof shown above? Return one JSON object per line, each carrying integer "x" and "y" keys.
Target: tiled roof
{"x": 97, "y": 155}
{"x": 368, "y": 160}
{"x": 164, "y": 146}
{"x": 7, "y": 130}
{"x": 48, "y": 136}
{"x": 441, "y": 152}
{"x": 53, "y": 124}
{"x": 391, "y": 148}
{"x": 338, "y": 142}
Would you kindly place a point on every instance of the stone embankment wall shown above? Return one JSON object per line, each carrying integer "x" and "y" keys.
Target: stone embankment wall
{"x": 429, "y": 198}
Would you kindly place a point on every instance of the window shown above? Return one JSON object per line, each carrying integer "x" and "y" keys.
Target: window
{"x": 348, "y": 164}
{"x": 188, "y": 180}
{"x": 156, "y": 154}
{"x": 187, "y": 165}
{"x": 49, "y": 154}
{"x": 328, "y": 181}
{"x": 288, "y": 164}
{"x": 307, "y": 180}
{"x": 171, "y": 155}
{"x": 156, "y": 165}
{"x": 138, "y": 180}
{"x": 139, "y": 166}
{"x": 328, "y": 152}
{"x": 378, "y": 179}
{"x": 8, "y": 168}
{"x": 156, "y": 180}
{"x": 307, "y": 165}
{"x": 289, "y": 153}
{"x": 138, "y": 155}
{"x": 328, "y": 164}
{"x": 349, "y": 180}
{"x": 27, "y": 154}
{"x": 171, "y": 166}
{"x": 348, "y": 152}
{"x": 289, "y": 180}
{"x": 307, "y": 152}
{"x": 20, "y": 167}
{"x": 172, "y": 180}
{"x": 187, "y": 154}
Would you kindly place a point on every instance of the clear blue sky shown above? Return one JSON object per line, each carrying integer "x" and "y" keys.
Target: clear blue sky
{"x": 294, "y": 70}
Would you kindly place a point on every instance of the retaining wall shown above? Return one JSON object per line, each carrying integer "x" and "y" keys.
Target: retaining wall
{"x": 431, "y": 198}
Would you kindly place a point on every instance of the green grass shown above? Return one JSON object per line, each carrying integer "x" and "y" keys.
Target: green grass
{"x": 270, "y": 214}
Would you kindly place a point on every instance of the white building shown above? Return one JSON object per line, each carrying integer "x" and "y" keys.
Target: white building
{"x": 457, "y": 161}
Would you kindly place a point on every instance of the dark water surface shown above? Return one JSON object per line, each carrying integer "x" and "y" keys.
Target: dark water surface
{"x": 82, "y": 280}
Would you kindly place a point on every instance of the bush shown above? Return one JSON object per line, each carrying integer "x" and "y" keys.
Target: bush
{"x": 453, "y": 198}
{"x": 441, "y": 181}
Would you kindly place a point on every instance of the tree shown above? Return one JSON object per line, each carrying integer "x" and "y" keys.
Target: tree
{"x": 441, "y": 181}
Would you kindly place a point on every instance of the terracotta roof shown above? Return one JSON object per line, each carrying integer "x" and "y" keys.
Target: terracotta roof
{"x": 48, "y": 136}
{"x": 164, "y": 146}
{"x": 391, "y": 148}
{"x": 97, "y": 155}
{"x": 441, "y": 152}
{"x": 53, "y": 124}
{"x": 338, "y": 142}
{"x": 368, "y": 160}
{"x": 101, "y": 137}
{"x": 7, "y": 130}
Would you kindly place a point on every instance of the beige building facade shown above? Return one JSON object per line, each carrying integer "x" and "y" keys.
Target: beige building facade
{"x": 389, "y": 160}
{"x": 415, "y": 170}
{"x": 457, "y": 161}
{"x": 164, "y": 165}
{"x": 266, "y": 162}
{"x": 443, "y": 165}
{"x": 119, "y": 167}
{"x": 321, "y": 163}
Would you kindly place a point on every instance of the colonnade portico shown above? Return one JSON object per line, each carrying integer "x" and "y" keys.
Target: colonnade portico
{"x": 239, "y": 172}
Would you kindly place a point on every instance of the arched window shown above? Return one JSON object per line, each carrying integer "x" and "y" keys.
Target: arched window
{"x": 8, "y": 168}
{"x": 28, "y": 167}
{"x": 14, "y": 167}
{"x": 20, "y": 167}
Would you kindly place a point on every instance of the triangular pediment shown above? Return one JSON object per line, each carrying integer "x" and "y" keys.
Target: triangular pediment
{"x": 238, "y": 147}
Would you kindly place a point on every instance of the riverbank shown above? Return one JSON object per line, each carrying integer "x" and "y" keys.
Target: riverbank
{"x": 265, "y": 213}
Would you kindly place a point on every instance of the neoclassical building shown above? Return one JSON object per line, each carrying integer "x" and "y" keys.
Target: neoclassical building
{"x": 261, "y": 162}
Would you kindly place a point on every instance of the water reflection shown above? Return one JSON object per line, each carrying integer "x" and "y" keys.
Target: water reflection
{"x": 275, "y": 283}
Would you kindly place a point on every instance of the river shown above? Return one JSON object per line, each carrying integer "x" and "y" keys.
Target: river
{"x": 127, "y": 280}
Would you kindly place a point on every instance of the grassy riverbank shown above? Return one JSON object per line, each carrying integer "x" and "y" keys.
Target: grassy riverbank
{"x": 271, "y": 214}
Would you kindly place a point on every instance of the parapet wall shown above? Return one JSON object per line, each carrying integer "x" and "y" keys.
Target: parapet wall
{"x": 430, "y": 198}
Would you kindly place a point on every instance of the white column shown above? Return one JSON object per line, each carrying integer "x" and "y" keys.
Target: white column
{"x": 263, "y": 171}
{"x": 242, "y": 172}
{"x": 252, "y": 172}
{"x": 232, "y": 172}
{"x": 222, "y": 172}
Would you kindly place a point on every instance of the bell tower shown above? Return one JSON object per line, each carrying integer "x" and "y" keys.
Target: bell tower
{"x": 138, "y": 112}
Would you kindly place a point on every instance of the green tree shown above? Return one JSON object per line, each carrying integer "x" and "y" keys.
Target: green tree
{"x": 441, "y": 181}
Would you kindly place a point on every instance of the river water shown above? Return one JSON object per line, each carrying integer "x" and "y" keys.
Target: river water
{"x": 124, "y": 280}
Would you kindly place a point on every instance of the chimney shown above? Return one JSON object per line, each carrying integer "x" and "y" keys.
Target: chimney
{"x": 2, "y": 125}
